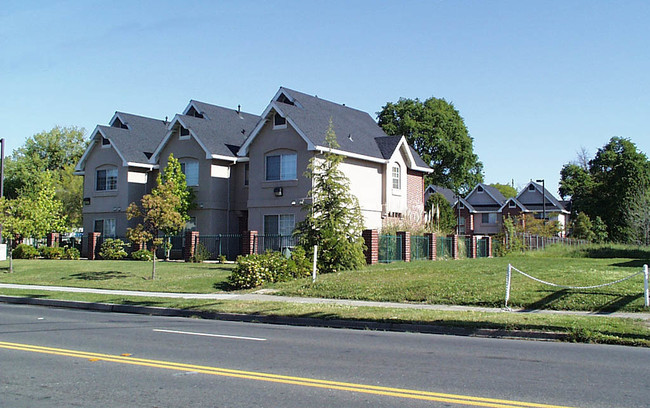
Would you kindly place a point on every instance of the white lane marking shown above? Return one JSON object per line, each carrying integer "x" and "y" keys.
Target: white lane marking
{"x": 226, "y": 336}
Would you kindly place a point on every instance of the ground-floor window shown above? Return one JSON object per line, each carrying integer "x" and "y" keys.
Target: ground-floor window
{"x": 106, "y": 227}
{"x": 280, "y": 224}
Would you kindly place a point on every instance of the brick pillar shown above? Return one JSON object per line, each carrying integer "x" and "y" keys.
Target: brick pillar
{"x": 53, "y": 239}
{"x": 474, "y": 246}
{"x": 432, "y": 245}
{"x": 371, "y": 238}
{"x": 489, "y": 247}
{"x": 249, "y": 242}
{"x": 454, "y": 246}
{"x": 406, "y": 245}
{"x": 191, "y": 242}
{"x": 93, "y": 237}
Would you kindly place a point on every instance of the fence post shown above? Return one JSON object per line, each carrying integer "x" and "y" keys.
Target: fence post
{"x": 249, "y": 238}
{"x": 93, "y": 237}
{"x": 406, "y": 245}
{"x": 371, "y": 238}
{"x": 53, "y": 239}
{"x": 454, "y": 247}
{"x": 313, "y": 272}
{"x": 474, "y": 247}
{"x": 508, "y": 277}
{"x": 489, "y": 245}
{"x": 191, "y": 242}
{"x": 432, "y": 245}
{"x": 645, "y": 279}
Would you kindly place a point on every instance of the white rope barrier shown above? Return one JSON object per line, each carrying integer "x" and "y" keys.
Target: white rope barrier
{"x": 644, "y": 272}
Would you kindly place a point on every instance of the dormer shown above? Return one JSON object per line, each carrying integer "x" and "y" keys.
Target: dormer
{"x": 282, "y": 98}
{"x": 193, "y": 112}
{"x": 117, "y": 123}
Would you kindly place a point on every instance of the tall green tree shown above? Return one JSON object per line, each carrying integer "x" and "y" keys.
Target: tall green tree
{"x": 57, "y": 151}
{"x": 435, "y": 129}
{"x": 440, "y": 214}
{"x": 334, "y": 221}
{"x": 174, "y": 175}
{"x": 608, "y": 186}
{"x": 159, "y": 213}
{"x": 638, "y": 216}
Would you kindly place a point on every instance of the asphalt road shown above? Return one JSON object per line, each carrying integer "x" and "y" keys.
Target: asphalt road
{"x": 67, "y": 358}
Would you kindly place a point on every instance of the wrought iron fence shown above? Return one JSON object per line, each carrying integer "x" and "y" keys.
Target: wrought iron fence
{"x": 228, "y": 245}
{"x": 390, "y": 248}
{"x": 271, "y": 242}
{"x": 444, "y": 247}
{"x": 529, "y": 242}
{"x": 419, "y": 248}
{"x": 482, "y": 248}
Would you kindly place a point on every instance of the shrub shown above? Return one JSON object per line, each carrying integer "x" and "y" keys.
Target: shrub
{"x": 71, "y": 253}
{"x": 201, "y": 253}
{"x": 52, "y": 252}
{"x": 255, "y": 270}
{"x": 142, "y": 255}
{"x": 112, "y": 249}
{"x": 24, "y": 251}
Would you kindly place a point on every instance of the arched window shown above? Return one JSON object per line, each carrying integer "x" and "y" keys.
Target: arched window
{"x": 397, "y": 177}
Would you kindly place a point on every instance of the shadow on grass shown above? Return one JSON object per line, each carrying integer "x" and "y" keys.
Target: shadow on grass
{"x": 547, "y": 300}
{"x": 97, "y": 276}
{"x": 611, "y": 252}
{"x": 633, "y": 264}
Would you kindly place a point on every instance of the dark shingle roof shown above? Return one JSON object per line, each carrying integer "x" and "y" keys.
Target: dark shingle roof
{"x": 221, "y": 130}
{"x": 142, "y": 136}
{"x": 447, "y": 193}
{"x": 552, "y": 203}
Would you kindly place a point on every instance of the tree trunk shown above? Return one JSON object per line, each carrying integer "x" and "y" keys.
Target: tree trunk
{"x": 11, "y": 256}
{"x": 153, "y": 270}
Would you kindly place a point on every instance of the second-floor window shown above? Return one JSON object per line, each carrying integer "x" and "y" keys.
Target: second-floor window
{"x": 281, "y": 167}
{"x": 190, "y": 167}
{"x": 489, "y": 218}
{"x": 397, "y": 180}
{"x": 106, "y": 180}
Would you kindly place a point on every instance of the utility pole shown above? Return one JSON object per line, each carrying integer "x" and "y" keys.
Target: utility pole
{"x": 543, "y": 200}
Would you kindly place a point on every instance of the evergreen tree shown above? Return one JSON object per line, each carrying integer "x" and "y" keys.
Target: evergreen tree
{"x": 334, "y": 220}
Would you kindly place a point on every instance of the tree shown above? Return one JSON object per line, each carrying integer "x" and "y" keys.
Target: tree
{"x": 435, "y": 129}
{"x": 606, "y": 189}
{"x": 638, "y": 216}
{"x": 173, "y": 175}
{"x": 440, "y": 213}
{"x": 582, "y": 227}
{"x": 159, "y": 212}
{"x": 56, "y": 151}
{"x": 507, "y": 190}
{"x": 334, "y": 221}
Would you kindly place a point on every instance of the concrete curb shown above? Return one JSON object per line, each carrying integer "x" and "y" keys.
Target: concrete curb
{"x": 285, "y": 320}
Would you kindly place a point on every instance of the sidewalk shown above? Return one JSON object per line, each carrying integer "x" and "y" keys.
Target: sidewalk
{"x": 261, "y": 296}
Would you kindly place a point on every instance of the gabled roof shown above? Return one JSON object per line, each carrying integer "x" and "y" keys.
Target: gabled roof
{"x": 220, "y": 131}
{"x": 496, "y": 199}
{"x": 358, "y": 135}
{"x": 133, "y": 137}
{"x": 447, "y": 193}
{"x": 517, "y": 203}
{"x": 552, "y": 204}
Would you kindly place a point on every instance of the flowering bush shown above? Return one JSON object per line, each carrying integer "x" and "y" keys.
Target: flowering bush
{"x": 255, "y": 270}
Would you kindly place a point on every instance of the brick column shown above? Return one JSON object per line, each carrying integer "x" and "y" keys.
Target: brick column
{"x": 371, "y": 238}
{"x": 93, "y": 237}
{"x": 191, "y": 242}
{"x": 53, "y": 239}
{"x": 474, "y": 250}
{"x": 249, "y": 242}
{"x": 406, "y": 245}
{"x": 489, "y": 247}
{"x": 432, "y": 246}
{"x": 454, "y": 246}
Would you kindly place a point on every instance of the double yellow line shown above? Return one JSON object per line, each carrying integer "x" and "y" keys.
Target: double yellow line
{"x": 258, "y": 376}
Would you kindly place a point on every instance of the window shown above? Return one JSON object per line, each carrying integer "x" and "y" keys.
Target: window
{"x": 281, "y": 167}
{"x": 190, "y": 167}
{"x": 283, "y": 224}
{"x": 479, "y": 189}
{"x": 105, "y": 142}
{"x": 461, "y": 205}
{"x": 279, "y": 122}
{"x": 106, "y": 227}
{"x": 184, "y": 133}
{"x": 247, "y": 171}
{"x": 489, "y": 218}
{"x": 461, "y": 226}
{"x": 397, "y": 181}
{"x": 531, "y": 187}
{"x": 191, "y": 224}
{"x": 512, "y": 204}
{"x": 106, "y": 180}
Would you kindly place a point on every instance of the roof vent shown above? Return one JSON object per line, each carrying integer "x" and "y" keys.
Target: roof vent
{"x": 350, "y": 137}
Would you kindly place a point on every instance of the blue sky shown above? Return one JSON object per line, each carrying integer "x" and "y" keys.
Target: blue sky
{"x": 535, "y": 81}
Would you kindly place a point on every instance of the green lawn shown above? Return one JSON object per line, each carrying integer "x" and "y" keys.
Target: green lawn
{"x": 129, "y": 275}
{"x": 479, "y": 282}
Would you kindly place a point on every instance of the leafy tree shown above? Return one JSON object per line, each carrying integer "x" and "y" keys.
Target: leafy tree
{"x": 600, "y": 230}
{"x": 507, "y": 190}
{"x": 159, "y": 212}
{"x": 582, "y": 227}
{"x": 174, "y": 175}
{"x": 607, "y": 188}
{"x": 638, "y": 216}
{"x": 335, "y": 222}
{"x": 438, "y": 133}
{"x": 440, "y": 213}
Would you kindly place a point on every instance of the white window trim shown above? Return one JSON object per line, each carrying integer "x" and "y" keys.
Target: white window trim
{"x": 106, "y": 184}
{"x": 184, "y": 161}
{"x": 181, "y": 136}
{"x": 107, "y": 145}
{"x": 276, "y": 127}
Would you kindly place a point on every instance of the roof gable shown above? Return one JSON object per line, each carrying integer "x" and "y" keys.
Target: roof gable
{"x": 485, "y": 196}
{"x": 536, "y": 198}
